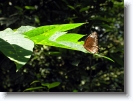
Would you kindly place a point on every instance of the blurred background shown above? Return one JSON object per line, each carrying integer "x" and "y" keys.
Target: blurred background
{"x": 76, "y": 71}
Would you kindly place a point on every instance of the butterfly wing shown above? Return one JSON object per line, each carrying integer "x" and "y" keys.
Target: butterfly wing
{"x": 91, "y": 43}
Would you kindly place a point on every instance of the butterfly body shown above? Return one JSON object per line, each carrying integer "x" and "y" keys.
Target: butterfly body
{"x": 91, "y": 43}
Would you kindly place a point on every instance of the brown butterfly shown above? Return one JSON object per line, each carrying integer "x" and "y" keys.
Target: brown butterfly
{"x": 91, "y": 43}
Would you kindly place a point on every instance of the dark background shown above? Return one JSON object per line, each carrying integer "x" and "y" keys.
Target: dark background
{"x": 76, "y": 71}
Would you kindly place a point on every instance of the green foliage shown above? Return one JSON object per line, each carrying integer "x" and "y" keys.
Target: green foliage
{"x": 52, "y": 35}
{"x": 56, "y": 60}
{"x": 14, "y": 46}
{"x": 46, "y": 86}
{"x": 47, "y": 35}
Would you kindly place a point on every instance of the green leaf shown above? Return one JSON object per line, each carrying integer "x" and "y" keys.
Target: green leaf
{"x": 85, "y": 9}
{"x": 51, "y": 85}
{"x": 49, "y": 30}
{"x": 75, "y": 90}
{"x": 34, "y": 82}
{"x": 46, "y": 35}
{"x": 56, "y": 35}
{"x": 71, "y": 7}
{"x": 15, "y": 46}
{"x": 33, "y": 88}
{"x": 69, "y": 41}
{"x": 98, "y": 55}
{"x": 24, "y": 29}
{"x": 29, "y": 7}
{"x": 73, "y": 37}
{"x": 73, "y": 45}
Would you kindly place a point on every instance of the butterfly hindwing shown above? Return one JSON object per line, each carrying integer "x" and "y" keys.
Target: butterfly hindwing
{"x": 91, "y": 43}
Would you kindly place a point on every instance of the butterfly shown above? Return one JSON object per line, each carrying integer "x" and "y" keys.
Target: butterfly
{"x": 91, "y": 43}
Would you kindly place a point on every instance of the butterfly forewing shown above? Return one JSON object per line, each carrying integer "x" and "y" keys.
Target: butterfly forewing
{"x": 91, "y": 43}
